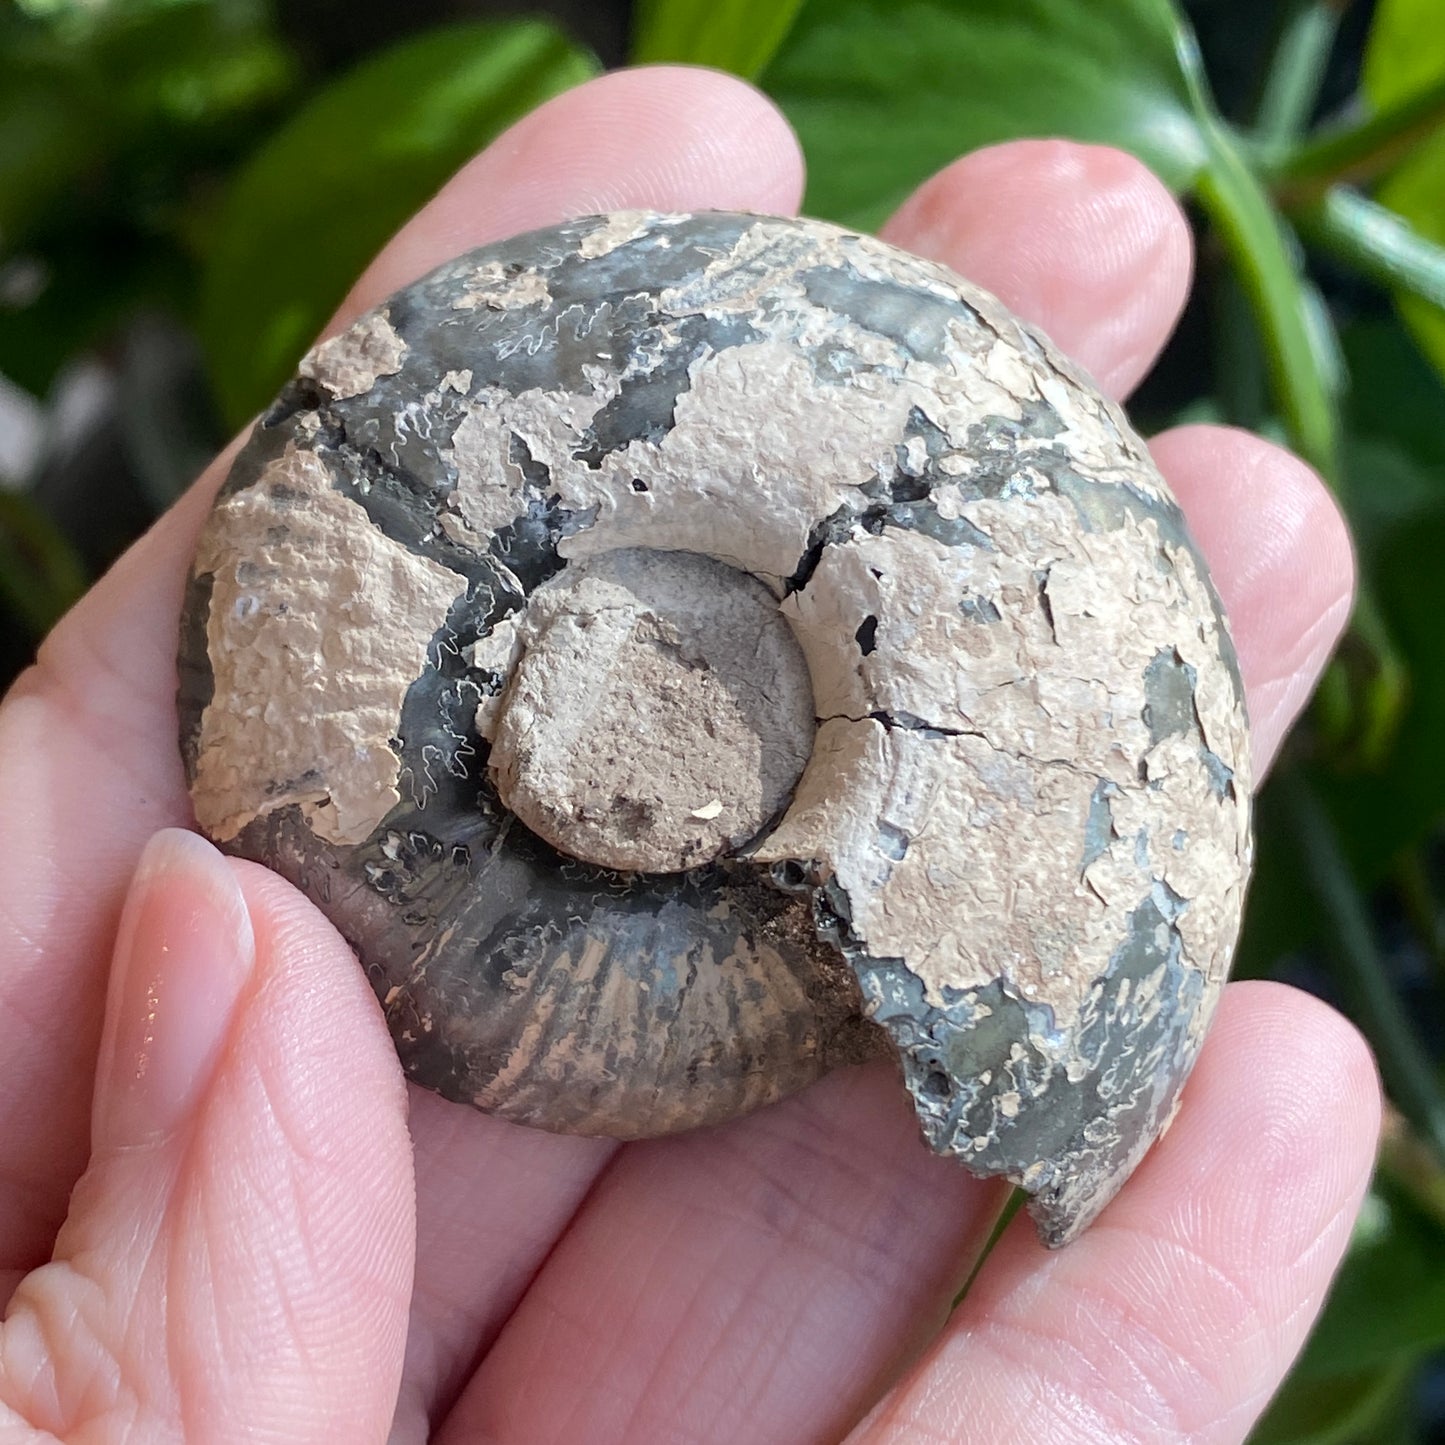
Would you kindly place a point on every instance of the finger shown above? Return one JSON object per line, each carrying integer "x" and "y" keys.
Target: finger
{"x": 1280, "y": 554}
{"x": 239, "y": 1249}
{"x": 1081, "y": 240}
{"x": 1177, "y": 1314}
{"x": 756, "y": 1282}
{"x": 666, "y": 138}
{"x": 492, "y": 1199}
{"x": 88, "y": 761}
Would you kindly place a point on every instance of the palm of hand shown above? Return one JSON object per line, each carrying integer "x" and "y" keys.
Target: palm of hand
{"x": 243, "y": 1256}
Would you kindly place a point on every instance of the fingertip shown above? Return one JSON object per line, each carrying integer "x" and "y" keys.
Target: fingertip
{"x": 1275, "y": 1138}
{"x": 307, "y": 1154}
{"x": 1300, "y": 1135}
{"x": 674, "y": 137}
{"x": 1178, "y": 1312}
{"x": 704, "y": 140}
{"x": 1083, "y": 241}
{"x": 204, "y": 942}
{"x": 183, "y": 961}
{"x": 661, "y": 137}
{"x": 318, "y": 1005}
{"x": 1306, "y": 1034}
{"x": 1280, "y": 553}
{"x": 253, "y": 1263}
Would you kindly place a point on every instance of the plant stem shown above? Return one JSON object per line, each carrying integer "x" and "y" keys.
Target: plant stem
{"x": 1409, "y": 1164}
{"x": 1359, "y": 150}
{"x": 1375, "y": 240}
{"x": 1385, "y": 690}
{"x": 1266, "y": 259}
{"x": 40, "y": 574}
{"x": 1422, "y": 908}
{"x": 1239, "y": 372}
{"x": 1407, "y": 1069}
{"x": 1012, "y": 1202}
{"x": 1296, "y": 71}
{"x": 1301, "y": 354}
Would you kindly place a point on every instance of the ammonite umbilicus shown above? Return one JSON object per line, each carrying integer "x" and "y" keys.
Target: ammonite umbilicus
{"x": 685, "y": 653}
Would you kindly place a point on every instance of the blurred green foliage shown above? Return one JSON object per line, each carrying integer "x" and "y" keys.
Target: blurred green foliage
{"x": 880, "y": 92}
{"x": 119, "y": 125}
{"x": 737, "y": 35}
{"x": 1406, "y": 63}
{"x": 307, "y": 211}
{"x": 183, "y": 155}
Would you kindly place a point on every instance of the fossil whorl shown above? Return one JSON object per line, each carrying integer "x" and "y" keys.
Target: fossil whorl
{"x": 685, "y": 653}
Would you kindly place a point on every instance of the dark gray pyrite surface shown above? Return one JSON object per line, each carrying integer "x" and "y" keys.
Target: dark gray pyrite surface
{"x": 686, "y": 653}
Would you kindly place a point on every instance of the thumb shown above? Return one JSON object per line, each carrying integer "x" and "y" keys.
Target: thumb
{"x": 237, "y": 1258}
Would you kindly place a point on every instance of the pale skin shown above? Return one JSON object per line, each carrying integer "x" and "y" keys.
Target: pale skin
{"x": 224, "y": 1216}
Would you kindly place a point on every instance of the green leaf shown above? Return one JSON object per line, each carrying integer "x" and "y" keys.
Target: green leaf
{"x": 1405, "y": 58}
{"x": 191, "y": 62}
{"x": 316, "y": 202}
{"x": 883, "y": 94}
{"x": 1296, "y": 331}
{"x": 1382, "y": 811}
{"x": 1417, "y": 191}
{"x": 1393, "y": 490}
{"x": 1296, "y": 71}
{"x": 105, "y": 111}
{"x": 737, "y": 35}
{"x": 1340, "y": 1411}
{"x": 52, "y": 132}
{"x": 1403, "y": 89}
{"x": 1377, "y": 242}
{"x": 1361, "y": 973}
{"x": 1393, "y": 394}
{"x": 45, "y": 148}
{"x": 1388, "y": 1301}
{"x": 1392, "y": 486}
{"x": 114, "y": 119}
{"x": 1406, "y": 50}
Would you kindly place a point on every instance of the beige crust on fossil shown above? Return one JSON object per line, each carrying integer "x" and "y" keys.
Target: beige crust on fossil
{"x": 349, "y": 364}
{"x": 328, "y": 613}
{"x": 996, "y": 805}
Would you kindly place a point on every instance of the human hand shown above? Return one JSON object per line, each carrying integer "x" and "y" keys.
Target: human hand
{"x": 243, "y": 1256}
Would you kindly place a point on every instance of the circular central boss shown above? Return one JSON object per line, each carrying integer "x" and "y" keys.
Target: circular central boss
{"x": 658, "y": 712}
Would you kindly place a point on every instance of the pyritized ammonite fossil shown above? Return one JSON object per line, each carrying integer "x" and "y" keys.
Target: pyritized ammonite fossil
{"x": 684, "y": 653}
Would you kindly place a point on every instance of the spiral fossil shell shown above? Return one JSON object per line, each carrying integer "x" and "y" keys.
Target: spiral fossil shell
{"x": 686, "y": 653}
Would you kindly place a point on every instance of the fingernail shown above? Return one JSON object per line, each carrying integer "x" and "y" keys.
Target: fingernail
{"x": 182, "y": 958}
